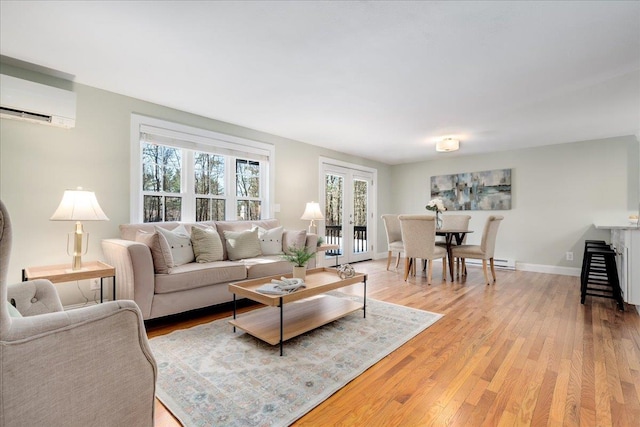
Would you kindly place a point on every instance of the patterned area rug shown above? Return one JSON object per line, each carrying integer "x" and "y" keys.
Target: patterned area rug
{"x": 210, "y": 376}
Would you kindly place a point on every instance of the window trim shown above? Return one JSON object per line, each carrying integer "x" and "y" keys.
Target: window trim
{"x": 192, "y": 138}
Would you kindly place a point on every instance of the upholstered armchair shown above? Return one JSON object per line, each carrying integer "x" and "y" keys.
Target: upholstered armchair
{"x": 86, "y": 367}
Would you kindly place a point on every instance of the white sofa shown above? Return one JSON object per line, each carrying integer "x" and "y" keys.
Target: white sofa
{"x": 192, "y": 285}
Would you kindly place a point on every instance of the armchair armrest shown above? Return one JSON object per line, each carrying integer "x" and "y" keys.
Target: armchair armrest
{"x": 34, "y": 297}
{"x": 134, "y": 271}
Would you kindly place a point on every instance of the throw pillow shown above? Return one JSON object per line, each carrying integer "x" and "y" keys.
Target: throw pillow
{"x": 161, "y": 254}
{"x": 294, "y": 238}
{"x": 179, "y": 242}
{"x": 207, "y": 246}
{"x": 13, "y": 312}
{"x": 270, "y": 240}
{"x": 242, "y": 244}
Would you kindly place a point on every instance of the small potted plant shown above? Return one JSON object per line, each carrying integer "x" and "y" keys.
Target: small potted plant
{"x": 299, "y": 257}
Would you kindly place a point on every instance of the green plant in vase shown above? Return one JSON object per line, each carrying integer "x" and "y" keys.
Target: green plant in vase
{"x": 299, "y": 257}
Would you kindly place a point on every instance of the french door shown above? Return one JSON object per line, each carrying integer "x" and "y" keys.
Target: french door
{"x": 349, "y": 213}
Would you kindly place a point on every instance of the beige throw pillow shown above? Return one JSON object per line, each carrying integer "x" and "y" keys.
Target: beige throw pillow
{"x": 207, "y": 246}
{"x": 161, "y": 254}
{"x": 294, "y": 238}
{"x": 179, "y": 242}
{"x": 242, "y": 244}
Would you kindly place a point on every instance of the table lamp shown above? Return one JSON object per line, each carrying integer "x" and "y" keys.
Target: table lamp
{"x": 78, "y": 205}
{"x": 312, "y": 213}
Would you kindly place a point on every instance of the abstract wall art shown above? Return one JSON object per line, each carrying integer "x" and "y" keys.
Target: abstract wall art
{"x": 472, "y": 191}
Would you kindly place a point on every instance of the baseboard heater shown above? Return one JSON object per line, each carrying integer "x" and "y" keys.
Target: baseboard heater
{"x": 507, "y": 264}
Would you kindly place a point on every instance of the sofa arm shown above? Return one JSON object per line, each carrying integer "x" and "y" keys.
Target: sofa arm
{"x": 312, "y": 242}
{"x": 134, "y": 271}
{"x": 34, "y": 297}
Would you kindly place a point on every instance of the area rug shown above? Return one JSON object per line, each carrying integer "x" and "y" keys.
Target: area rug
{"x": 210, "y": 376}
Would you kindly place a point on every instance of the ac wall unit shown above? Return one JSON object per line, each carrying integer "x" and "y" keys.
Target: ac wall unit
{"x": 37, "y": 103}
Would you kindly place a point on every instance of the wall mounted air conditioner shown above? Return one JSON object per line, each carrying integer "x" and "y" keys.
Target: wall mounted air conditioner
{"x": 37, "y": 103}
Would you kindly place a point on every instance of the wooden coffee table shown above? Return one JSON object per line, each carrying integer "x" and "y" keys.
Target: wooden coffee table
{"x": 306, "y": 309}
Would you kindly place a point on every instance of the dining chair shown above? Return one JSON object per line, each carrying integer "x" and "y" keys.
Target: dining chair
{"x": 455, "y": 222}
{"x": 394, "y": 237}
{"x": 419, "y": 237}
{"x": 484, "y": 251}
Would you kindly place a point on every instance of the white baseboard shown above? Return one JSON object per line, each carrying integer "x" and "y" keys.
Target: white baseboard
{"x": 549, "y": 269}
{"x": 521, "y": 266}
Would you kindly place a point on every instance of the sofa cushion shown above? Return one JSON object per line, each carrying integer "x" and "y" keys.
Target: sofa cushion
{"x": 294, "y": 238}
{"x": 242, "y": 244}
{"x": 207, "y": 246}
{"x": 195, "y": 275}
{"x": 179, "y": 242}
{"x": 270, "y": 240}
{"x": 160, "y": 251}
{"x": 223, "y": 226}
{"x": 264, "y": 266}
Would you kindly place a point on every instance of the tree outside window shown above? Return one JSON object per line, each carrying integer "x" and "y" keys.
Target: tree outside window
{"x": 209, "y": 172}
{"x": 248, "y": 189}
{"x": 161, "y": 183}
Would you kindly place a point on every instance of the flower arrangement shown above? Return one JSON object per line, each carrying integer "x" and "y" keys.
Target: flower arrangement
{"x": 436, "y": 205}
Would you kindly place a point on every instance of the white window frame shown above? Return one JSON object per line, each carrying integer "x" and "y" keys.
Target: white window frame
{"x": 194, "y": 139}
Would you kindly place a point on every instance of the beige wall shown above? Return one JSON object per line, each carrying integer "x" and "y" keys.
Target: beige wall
{"x": 558, "y": 191}
{"x": 39, "y": 162}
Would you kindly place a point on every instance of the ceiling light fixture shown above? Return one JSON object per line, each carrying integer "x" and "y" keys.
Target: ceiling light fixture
{"x": 447, "y": 144}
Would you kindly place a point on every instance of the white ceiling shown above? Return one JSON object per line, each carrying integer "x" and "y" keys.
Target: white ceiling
{"x": 381, "y": 80}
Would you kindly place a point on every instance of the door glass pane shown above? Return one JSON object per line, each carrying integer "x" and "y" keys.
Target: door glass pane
{"x": 360, "y": 214}
{"x": 334, "y": 202}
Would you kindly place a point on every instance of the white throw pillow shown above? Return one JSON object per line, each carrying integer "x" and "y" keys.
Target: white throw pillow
{"x": 242, "y": 244}
{"x": 207, "y": 246}
{"x": 270, "y": 240}
{"x": 179, "y": 242}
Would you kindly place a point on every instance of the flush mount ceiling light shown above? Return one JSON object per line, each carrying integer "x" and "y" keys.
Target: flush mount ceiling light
{"x": 447, "y": 144}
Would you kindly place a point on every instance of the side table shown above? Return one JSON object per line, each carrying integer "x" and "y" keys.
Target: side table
{"x": 63, "y": 273}
{"x": 327, "y": 247}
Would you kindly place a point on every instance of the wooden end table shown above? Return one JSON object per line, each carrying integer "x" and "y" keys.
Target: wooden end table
{"x": 63, "y": 273}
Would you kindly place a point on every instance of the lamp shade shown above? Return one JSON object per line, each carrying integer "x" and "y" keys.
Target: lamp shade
{"x": 447, "y": 144}
{"x": 312, "y": 212}
{"x": 79, "y": 205}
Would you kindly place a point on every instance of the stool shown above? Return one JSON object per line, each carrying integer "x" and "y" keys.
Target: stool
{"x": 599, "y": 276}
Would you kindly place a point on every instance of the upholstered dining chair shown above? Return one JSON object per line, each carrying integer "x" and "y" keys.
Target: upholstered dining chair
{"x": 455, "y": 222}
{"x": 90, "y": 366}
{"x": 484, "y": 250}
{"x": 419, "y": 237}
{"x": 394, "y": 237}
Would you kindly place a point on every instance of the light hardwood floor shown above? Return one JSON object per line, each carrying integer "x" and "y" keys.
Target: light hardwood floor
{"x": 523, "y": 351}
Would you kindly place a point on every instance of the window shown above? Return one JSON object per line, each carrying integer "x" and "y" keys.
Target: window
{"x": 181, "y": 173}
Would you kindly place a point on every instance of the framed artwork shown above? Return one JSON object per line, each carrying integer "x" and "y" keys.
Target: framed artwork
{"x": 474, "y": 191}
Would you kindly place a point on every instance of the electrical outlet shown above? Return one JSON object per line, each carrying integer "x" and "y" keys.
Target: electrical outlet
{"x": 569, "y": 256}
{"x": 95, "y": 284}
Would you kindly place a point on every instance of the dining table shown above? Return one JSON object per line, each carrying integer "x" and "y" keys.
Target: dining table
{"x": 451, "y": 235}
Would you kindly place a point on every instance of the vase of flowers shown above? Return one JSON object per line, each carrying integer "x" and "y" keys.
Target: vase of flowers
{"x": 436, "y": 205}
